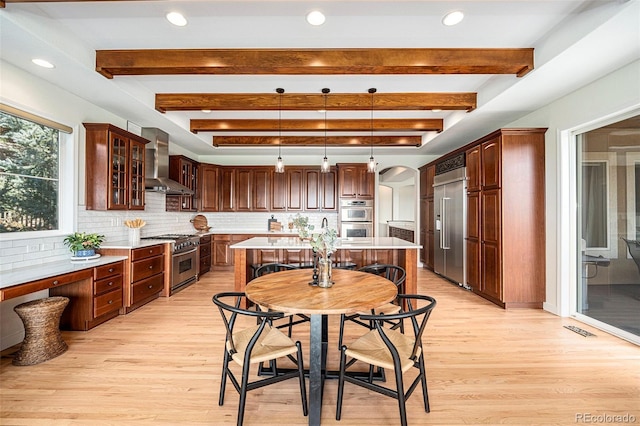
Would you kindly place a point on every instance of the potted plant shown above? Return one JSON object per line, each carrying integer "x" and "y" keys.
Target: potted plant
{"x": 324, "y": 244}
{"x": 301, "y": 223}
{"x": 82, "y": 244}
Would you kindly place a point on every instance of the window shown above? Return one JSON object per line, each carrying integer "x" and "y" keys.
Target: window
{"x": 30, "y": 185}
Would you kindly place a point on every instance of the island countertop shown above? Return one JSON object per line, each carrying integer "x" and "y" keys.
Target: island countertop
{"x": 343, "y": 243}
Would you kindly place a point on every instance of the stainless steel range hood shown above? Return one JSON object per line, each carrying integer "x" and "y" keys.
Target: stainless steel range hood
{"x": 157, "y": 164}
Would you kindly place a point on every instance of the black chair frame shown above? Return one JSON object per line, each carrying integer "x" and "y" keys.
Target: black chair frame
{"x": 634, "y": 250}
{"x": 229, "y": 315}
{"x": 269, "y": 268}
{"x": 393, "y": 273}
{"x": 417, "y": 356}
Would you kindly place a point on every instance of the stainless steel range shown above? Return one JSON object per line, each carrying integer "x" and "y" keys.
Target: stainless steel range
{"x": 184, "y": 259}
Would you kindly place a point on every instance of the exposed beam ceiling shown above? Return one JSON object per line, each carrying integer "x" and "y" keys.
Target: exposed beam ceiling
{"x": 395, "y": 141}
{"x": 311, "y": 101}
{"x": 112, "y": 63}
{"x": 355, "y": 125}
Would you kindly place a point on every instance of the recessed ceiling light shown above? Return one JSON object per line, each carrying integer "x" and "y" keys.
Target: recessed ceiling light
{"x": 176, "y": 19}
{"x": 453, "y": 18}
{"x": 315, "y": 17}
{"x": 43, "y": 63}
{"x": 436, "y": 110}
{"x": 206, "y": 111}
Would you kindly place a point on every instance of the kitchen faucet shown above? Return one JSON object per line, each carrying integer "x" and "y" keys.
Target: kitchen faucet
{"x": 325, "y": 223}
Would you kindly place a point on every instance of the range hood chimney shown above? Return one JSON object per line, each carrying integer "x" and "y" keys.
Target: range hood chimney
{"x": 157, "y": 164}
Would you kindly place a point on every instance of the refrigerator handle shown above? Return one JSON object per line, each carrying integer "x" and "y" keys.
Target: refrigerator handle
{"x": 444, "y": 234}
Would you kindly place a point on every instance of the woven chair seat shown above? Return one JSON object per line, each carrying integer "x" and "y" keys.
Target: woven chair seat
{"x": 271, "y": 344}
{"x": 371, "y": 349}
{"x": 386, "y": 309}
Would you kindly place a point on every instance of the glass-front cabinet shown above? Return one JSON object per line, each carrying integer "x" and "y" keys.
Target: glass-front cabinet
{"x": 114, "y": 168}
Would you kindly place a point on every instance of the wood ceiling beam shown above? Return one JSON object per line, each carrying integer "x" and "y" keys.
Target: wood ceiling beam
{"x": 351, "y": 125}
{"x": 252, "y": 141}
{"x": 111, "y": 63}
{"x": 312, "y": 101}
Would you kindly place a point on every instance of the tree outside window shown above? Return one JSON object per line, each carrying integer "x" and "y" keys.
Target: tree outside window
{"x": 29, "y": 175}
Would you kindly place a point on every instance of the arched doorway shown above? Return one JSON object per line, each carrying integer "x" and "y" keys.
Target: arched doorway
{"x": 397, "y": 199}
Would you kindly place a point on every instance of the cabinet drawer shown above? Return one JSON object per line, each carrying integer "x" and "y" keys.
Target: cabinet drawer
{"x": 205, "y": 250}
{"x": 44, "y": 284}
{"x": 205, "y": 263}
{"x": 205, "y": 239}
{"x": 108, "y": 302}
{"x": 146, "y": 288}
{"x": 108, "y": 270}
{"x": 146, "y": 268}
{"x": 107, "y": 284}
{"x": 145, "y": 252}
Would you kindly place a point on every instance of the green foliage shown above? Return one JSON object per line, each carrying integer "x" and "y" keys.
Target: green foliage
{"x": 301, "y": 223}
{"x": 28, "y": 175}
{"x": 82, "y": 241}
{"x": 325, "y": 242}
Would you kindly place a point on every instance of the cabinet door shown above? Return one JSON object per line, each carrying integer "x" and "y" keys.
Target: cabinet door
{"x": 136, "y": 177}
{"x": 227, "y": 199}
{"x": 295, "y": 183}
{"x": 473, "y": 264}
{"x": 473, "y": 215}
{"x": 348, "y": 178}
{"x": 328, "y": 190}
{"x": 312, "y": 178}
{"x": 279, "y": 192}
{"x": 119, "y": 187}
{"x": 208, "y": 188}
{"x": 491, "y": 284}
{"x": 490, "y": 163}
{"x": 222, "y": 255}
{"x": 261, "y": 189}
{"x": 243, "y": 189}
{"x": 423, "y": 251}
{"x": 429, "y": 249}
{"x": 358, "y": 256}
{"x": 366, "y": 183}
{"x": 473, "y": 168}
{"x": 426, "y": 181}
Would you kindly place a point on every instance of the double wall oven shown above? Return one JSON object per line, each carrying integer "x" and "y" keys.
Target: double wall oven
{"x": 356, "y": 218}
{"x": 184, "y": 259}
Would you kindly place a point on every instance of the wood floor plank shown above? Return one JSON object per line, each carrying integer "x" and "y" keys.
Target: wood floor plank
{"x": 161, "y": 365}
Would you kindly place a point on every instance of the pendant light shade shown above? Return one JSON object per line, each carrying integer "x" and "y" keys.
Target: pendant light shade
{"x": 324, "y": 168}
{"x": 279, "y": 162}
{"x": 372, "y": 166}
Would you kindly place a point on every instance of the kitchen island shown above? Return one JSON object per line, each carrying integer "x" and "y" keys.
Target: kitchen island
{"x": 255, "y": 251}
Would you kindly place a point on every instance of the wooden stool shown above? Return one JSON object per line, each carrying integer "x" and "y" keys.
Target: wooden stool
{"x": 42, "y": 338}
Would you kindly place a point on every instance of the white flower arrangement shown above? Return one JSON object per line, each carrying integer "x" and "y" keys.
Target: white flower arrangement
{"x": 325, "y": 242}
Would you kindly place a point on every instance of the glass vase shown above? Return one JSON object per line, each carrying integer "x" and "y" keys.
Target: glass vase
{"x": 324, "y": 273}
{"x": 134, "y": 236}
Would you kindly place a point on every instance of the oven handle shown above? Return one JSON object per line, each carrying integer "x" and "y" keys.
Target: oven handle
{"x": 186, "y": 252}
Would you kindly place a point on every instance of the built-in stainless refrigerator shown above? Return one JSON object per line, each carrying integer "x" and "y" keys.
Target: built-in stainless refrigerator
{"x": 450, "y": 205}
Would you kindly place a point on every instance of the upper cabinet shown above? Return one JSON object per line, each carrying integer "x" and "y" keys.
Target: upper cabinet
{"x": 354, "y": 181}
{"x": 115, "y": 168}
{"x": 208, "y": 188}
{"x": 185, "y": 171}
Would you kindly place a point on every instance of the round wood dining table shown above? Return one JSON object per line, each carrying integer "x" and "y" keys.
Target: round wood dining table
{"x": 290, "y": 292}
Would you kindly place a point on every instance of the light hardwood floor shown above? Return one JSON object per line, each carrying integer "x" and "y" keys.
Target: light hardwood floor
{"x": 161, "y": 365}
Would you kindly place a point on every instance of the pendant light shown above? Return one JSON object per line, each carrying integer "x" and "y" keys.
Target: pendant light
{"x": 279, "y": 163}
{"x": 324, "y": 168}
{"x": 371, "y": 167}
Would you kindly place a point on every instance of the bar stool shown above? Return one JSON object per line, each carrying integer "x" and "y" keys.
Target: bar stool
{"x": 42, "y": 338}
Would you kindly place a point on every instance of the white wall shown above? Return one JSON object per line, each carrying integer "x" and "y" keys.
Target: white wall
{"x": 610, "y": 95}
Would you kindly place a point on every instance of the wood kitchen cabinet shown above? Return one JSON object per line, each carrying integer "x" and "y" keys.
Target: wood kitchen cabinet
{"x": 208, "y": 188}
{"x": 115, "y": 168}
{"x": 354, "y": 181}
{"x": 505, "y": 217}
{"x": 93, "y": 303}
{"x": 205, "y": 255}
{"x": 261, "y": 189}
{"x": 144, "y": 274}
{"x": 320, "y": 190}
{"x": 185, "y": 171}
{"x": 227, "y": 189}
{"x": 427, "y": 174}
{"x": 222, "y": 254}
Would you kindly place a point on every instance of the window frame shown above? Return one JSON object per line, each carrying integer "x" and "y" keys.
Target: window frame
{"x": 67, "y": 175}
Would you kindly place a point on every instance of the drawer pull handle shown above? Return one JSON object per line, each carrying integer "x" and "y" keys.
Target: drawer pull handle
{"x": 111, "y": 269}
{"x": 110, "y": 302}
{"x": 150, "y": 286}
{"x": 55, "y": 282}
{"x": 110, "y": 283}
{"x": 151, "y": 251}
{"x": 150, "y": 266}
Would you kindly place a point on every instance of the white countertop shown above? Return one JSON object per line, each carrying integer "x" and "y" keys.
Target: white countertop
{"x": 126, "y": 244}
{"x": 346, "y": 243}
{"x": 51, "y": 269}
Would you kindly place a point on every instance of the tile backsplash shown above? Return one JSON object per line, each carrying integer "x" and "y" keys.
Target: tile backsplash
{"x": 30, "y": 252}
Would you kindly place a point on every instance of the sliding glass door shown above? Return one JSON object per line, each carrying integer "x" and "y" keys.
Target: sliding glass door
{"x": 608, "y": 200}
